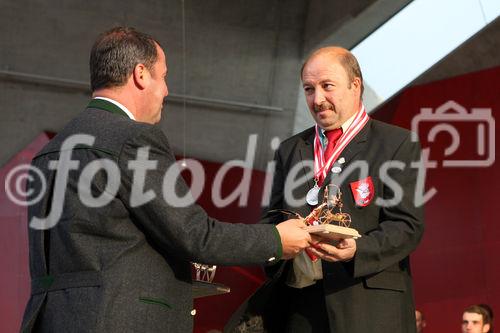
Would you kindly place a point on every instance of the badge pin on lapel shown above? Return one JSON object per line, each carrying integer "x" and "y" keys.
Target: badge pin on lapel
{"x": 337, "y": 168}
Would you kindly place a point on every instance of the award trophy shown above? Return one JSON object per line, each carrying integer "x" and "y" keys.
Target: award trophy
{"x": 327, "y": 220}
{"x": 203, "y": 285}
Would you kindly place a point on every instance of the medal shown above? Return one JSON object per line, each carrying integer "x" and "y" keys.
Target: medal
{"x": 336, "y": 169}
{"x": 322, "y": 166}
{"x": 312, "y": 195}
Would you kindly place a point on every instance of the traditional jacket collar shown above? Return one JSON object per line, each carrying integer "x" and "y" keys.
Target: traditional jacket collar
{"x": 102, "y": 104}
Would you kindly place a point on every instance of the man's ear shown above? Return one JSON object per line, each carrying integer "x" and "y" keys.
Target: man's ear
{"x": 140, "y": 76}
{"x": 357, "y": 83}
{"x": 486, "y": 328}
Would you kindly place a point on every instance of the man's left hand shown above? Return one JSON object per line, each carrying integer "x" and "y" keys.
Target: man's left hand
{"x": 343, "y": 251}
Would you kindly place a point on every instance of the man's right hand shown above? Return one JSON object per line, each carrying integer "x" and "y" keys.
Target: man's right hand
{"x": 293, "y": 237}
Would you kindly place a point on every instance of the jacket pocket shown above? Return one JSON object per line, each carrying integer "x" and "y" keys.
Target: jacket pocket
{"x": 155, "y": 301}
{"x": 386, "y": 280}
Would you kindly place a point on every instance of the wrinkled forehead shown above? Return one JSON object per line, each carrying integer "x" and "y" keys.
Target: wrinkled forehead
{"x": 323, "y": 67}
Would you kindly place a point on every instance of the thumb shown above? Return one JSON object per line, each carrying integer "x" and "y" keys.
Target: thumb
{"x": 298, "y": 222}
{"x": 343, "y": 244}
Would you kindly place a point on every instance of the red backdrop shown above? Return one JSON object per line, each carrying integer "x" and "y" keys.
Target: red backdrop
{"x": 455, "y": 265}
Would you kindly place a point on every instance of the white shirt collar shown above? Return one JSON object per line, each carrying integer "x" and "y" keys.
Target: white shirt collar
{"x": 348, "y": 123}
{"x": 121, "y": 106}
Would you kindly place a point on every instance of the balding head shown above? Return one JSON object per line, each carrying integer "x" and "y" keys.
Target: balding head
{"x": 333, "y": 93}
{"x": 346, "y": 59}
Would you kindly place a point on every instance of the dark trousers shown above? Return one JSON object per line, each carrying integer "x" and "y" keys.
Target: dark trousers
{"x": 307, "y": 310}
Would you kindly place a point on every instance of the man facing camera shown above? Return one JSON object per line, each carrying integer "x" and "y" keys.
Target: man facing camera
{"x": 361, "y": 285}
{"x": 476, "y": 319}
{"x": 110, "y": 241}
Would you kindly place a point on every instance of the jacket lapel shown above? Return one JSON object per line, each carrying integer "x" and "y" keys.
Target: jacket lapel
{"x": 306, "y": 151}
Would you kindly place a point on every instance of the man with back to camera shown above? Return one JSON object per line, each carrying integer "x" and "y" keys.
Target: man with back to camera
{"x": 476, "y": 319}
{"x": 125, "y": 266}
{"x": 361, "y": 285}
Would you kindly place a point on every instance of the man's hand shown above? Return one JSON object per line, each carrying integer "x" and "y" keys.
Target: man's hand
{"x": 293, "y": 237}
{"x": 343, "y": 251}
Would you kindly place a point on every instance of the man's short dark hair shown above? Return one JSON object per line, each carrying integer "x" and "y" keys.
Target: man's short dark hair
{"x": 115, "y": 54}
{"x": 480, "y": 310}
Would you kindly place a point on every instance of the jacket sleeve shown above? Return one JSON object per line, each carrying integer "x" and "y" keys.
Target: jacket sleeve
{"x": 271, "y": 214}
{"x": 180, "y": 230}
{"x": 401, "y": 225}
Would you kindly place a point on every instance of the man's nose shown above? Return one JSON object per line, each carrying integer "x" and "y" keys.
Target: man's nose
{"x": 319, "y": 97}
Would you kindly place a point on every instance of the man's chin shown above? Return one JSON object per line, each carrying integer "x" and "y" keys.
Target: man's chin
{"x": 323, "y": 113}
{"x": 325, "y": 121}
{"x": 328, "y": 125}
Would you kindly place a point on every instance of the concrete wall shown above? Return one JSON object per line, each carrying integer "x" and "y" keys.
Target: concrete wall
{"x": 238, "y": 51}
{"x": 342, "y": 23}
{"x": 246, "y": 52}
{"x": 326, "y": 17}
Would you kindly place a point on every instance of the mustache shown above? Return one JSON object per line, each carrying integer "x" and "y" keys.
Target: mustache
{"x": 323, "y": 106}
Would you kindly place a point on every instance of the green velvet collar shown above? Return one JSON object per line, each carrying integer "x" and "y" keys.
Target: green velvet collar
{"x": 102, "y": 104}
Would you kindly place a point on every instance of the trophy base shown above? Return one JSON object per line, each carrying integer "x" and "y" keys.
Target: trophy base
{"x": 333, "y": 231}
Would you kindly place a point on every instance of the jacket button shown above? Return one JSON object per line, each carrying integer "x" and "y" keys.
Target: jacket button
{"x": 271, "y": 259}
{"x": 193, "y": 312}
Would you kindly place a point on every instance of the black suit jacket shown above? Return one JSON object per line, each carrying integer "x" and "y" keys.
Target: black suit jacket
{"x": 121, "y": 267}
{"x": 372, "y": 292}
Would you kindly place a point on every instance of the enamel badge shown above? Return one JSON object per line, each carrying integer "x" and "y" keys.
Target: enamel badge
{"x": 363, "y": 191}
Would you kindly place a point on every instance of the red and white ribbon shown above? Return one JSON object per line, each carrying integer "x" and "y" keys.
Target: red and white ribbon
{"x": 322, "y": 167}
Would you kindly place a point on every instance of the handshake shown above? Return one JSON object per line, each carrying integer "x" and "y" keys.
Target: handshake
{"x": 294, "y": 239}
